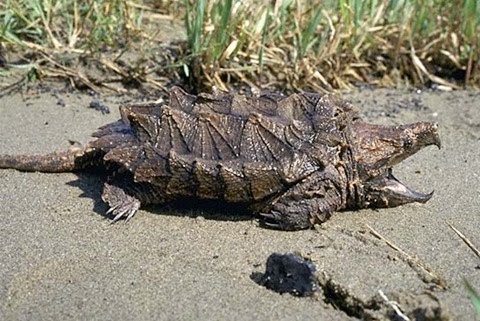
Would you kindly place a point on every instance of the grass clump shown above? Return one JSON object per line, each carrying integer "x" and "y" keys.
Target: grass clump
{"x": 325, "y": 44}
{"x": 79, "y": 41}
{"x": 319, "y": 45}
{"x": 65, "y": 23}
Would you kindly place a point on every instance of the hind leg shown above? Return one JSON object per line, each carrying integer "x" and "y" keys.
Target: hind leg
{"x": 121, "y": 204}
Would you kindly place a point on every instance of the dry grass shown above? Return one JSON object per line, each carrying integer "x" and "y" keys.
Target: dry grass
{"x": 97, "y": 44}
{"x": 324, "y": 45}
{"x": 319, "y": 45}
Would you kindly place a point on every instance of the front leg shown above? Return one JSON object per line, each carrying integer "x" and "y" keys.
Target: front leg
{"x": 310, "y": 202}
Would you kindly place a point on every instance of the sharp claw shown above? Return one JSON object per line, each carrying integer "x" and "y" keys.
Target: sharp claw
{"x": 270, "y": 220}
{"x": 119, "y": 215}
{"x": 272, "y": 225}
{"x": 130, "y": 215}
{"x": 111, "y": 210}
{"x": 269, "y": 216}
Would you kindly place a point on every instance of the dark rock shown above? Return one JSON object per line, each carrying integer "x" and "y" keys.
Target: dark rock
{"x": 290, "y": 273}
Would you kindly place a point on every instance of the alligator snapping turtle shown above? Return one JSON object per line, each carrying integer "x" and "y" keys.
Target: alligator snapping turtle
{"x": 292, "y": 160}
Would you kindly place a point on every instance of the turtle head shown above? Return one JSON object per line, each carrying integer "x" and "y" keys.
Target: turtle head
{"x": 378, "y": 148}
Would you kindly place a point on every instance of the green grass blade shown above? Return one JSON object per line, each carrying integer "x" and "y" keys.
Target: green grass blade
{"x": 221, "y": 36}
{"x": 308, "y": 34}
{"x": 194, "y": 20}
{"x": 264, "y": 36}
{"x": 474, "y": 297}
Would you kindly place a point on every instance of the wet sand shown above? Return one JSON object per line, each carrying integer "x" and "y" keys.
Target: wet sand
{"x": 61, "y": 259}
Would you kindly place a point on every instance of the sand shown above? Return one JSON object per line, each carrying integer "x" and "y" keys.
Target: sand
{"x": 61, "y": 259}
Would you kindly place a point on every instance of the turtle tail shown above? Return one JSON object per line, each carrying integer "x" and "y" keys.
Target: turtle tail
{"x": 66, "y": 161}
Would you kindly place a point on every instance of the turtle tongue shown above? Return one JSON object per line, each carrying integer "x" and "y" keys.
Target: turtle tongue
{"x": 387, "y": 191}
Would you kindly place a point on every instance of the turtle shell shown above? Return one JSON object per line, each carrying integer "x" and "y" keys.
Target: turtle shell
{"x": 225, "y": 146}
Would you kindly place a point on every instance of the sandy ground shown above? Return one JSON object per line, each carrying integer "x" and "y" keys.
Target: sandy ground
{"x": 61, "y": 259}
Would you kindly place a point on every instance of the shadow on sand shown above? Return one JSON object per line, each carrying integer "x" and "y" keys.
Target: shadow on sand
{"x": 92, "y": 185}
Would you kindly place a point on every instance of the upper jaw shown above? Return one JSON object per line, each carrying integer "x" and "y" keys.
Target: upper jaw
{"x": 427, "y": 133}
{"x": 413, "y": 138}
{"x": 379, "y": 148}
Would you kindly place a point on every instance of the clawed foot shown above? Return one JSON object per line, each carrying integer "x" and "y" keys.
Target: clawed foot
{"x": 121, "y": 204}
{"x": 127, "y": 209}
{"x": 271, "y": 220}
{"x": 287, "y": 218}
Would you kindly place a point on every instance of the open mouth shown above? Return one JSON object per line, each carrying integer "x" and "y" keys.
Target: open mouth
{"x": 396, "y": 193}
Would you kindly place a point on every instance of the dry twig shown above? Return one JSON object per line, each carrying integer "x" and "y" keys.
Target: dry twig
{"x": 465, "y": 240}
{"x": 413, "y": 261}
{"x": 395, "y": 306}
